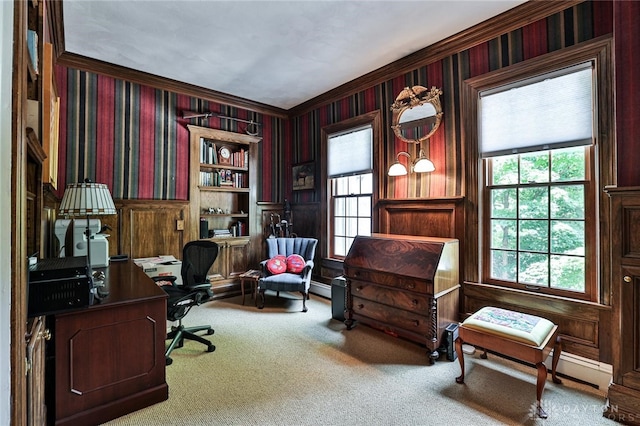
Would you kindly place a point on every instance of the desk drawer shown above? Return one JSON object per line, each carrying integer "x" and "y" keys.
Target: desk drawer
{"x": 389, "y": 280}
{"x": 411, "y": 321}
{"x": 407, "y": 300}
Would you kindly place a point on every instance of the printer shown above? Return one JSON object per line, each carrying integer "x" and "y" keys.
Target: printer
{"x": 99, "y": 242}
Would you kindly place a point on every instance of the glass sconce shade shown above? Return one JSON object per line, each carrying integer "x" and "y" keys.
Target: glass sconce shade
{"x": 421, "y": 165}
{"x": 397, "y": 169}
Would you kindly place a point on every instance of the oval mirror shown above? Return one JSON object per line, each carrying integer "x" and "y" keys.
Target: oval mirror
{"x": 416, "y": 113}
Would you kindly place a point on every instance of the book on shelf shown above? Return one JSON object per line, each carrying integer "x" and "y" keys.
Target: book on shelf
{"x": 224, "y": 178}
{"x": 208, "y": 152}
{"x": 32, "y": 45}
{"x": 221, "y": 233}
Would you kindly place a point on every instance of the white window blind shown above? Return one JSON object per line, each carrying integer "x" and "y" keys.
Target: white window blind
{"x": 350, "y": 153}
{"x": 551, "y": 111}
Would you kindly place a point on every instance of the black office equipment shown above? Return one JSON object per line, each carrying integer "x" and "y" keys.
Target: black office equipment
{"x": 58, "y": 285}
{"x": 451, "y": 334}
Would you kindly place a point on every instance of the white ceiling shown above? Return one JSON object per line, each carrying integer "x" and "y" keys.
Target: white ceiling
{"x": 279, "y": 53}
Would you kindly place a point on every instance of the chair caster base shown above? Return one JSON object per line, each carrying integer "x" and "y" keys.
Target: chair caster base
{"x": 211, "y": 348}
{"x": 210, "y": 331}
{"x": 168, "y": 361}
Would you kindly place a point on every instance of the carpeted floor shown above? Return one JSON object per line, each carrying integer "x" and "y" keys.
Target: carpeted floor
{"x": 279, "y": 366}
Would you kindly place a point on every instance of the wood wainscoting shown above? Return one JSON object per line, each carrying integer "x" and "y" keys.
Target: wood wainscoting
{"x": 146, "y": 228}
{"x": 584, "y": 326}
{"x": 432, "y": 217}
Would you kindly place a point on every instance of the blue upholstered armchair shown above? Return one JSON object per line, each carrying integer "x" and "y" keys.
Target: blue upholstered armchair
{"x": 288, "y": 281}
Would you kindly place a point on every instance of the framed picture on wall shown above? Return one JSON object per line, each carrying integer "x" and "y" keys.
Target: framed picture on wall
{"x": 304, "y": 176}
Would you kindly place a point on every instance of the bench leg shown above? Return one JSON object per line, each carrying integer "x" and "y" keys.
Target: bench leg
{"x": 542, "y": 379}
{"x": 460, "y": 378}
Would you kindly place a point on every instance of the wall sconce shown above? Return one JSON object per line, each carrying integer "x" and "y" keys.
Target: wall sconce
{"x": 421, "y": 165}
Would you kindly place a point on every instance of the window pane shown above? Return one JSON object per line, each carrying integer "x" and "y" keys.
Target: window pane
{"x": 533, "y": 202}
{"x": 503, "y": 234}
{"x": 341, "y": 187}
{"x": 504, "y": 170}
{"x": 534, "y": 235}
{"x": 503, "y": 265}
{"x": 534, "y": 269}
{"x": 534, "y": 167}
{"x": 568, "y": 273}
{"x": 339, "y": 207}
{"x": 567, "y": 202}
{"x": 503, "y": 203}
{"x": 340, "y": 246}
{"x": 364, "y": 226}
{"x": 351, "y": 206}
{"x": 352, "y": 227}
{"x": 567, "y": 237}
{"x": 568, "y": 164}
{"x": 354, "y": 184}
{"x": 364, "y": 206}
{"x": 367, "y": 183}
{"x": 340, "y": 227}
{"x": 347, "y": 242}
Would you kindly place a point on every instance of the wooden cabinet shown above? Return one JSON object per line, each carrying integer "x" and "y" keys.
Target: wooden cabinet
{"x": 404, "y": 285}
{"x": 36, "y": 406}
{"x": 107, "y": 360}
{"x": 222, "y": 199}
{"x": 623, "y": 402}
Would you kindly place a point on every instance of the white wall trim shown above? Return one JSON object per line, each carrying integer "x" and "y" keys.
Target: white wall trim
{"x": 584, "y": 369}
{"x": 320, "y": 289}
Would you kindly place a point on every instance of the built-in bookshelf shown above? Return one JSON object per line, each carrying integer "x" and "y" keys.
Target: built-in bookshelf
{"x": 223, "y": 198}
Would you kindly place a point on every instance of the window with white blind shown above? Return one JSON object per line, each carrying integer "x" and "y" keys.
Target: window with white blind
{"x": 350, "y": 187}
{"x": 539, "y": 222}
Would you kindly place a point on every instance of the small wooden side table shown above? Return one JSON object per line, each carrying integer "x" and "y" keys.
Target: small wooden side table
{"x": 252, "y": 276}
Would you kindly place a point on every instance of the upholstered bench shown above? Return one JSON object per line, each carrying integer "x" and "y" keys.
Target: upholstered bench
{"x": 521, "y": 336}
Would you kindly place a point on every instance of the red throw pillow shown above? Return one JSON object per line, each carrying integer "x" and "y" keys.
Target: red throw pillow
{"x": 295, "y": 263}
{"x": 277, "y": 264}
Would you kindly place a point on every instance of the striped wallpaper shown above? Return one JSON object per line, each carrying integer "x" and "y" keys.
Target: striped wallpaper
{"x": 133, "y": 138}
{"x": 574, "y": 25}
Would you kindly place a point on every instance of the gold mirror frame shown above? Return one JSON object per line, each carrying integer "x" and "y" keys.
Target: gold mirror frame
{"x": 411, "y": 100}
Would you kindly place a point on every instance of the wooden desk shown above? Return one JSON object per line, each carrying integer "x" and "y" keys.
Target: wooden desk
{"x": 404, "y": 285}
{"x": 108, "y": 359}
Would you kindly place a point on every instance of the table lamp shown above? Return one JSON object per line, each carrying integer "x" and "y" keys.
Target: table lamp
{"x": 87, "y": 199}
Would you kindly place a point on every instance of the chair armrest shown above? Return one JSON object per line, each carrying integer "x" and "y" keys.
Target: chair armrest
{"x": 197, "y": 287}
{"x": 308, "y": 267}
{"x": 263, "y": 268}
{"x": 171, "y": 278}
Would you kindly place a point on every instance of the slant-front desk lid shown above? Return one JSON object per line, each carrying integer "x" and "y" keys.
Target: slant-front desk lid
{"x": 423, "y": 258}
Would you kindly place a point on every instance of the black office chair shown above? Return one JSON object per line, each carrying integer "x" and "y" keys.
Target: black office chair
{"x": 197, "y": 258}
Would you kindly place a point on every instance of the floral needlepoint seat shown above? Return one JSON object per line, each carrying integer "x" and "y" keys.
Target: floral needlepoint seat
{"x": 526, "y": 337}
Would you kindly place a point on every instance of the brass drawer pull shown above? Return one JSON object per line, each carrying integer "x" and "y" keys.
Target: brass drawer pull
{"x": 416, "y": 323}
{"x": 414, "y": 302}
{"x": 627, "y": 279}
{"x": 359, "y": 288}
{"x": 360, "y": 306}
